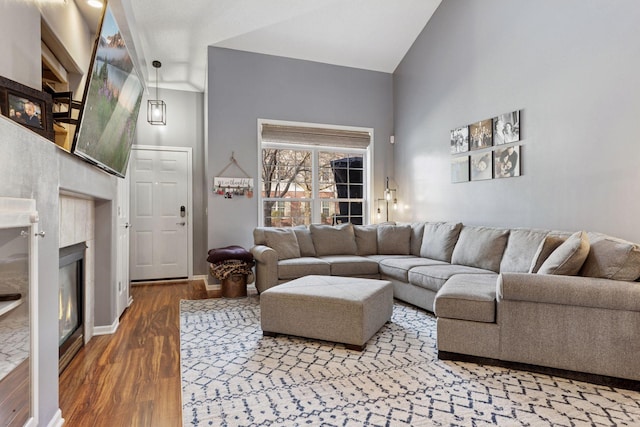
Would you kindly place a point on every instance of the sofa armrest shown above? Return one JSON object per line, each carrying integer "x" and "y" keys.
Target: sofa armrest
{"x": 569, "y": 290}
{"x": 266, "y": 267}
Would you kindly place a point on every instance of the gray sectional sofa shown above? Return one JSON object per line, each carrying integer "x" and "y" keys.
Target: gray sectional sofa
{"x": 567, "y": 301}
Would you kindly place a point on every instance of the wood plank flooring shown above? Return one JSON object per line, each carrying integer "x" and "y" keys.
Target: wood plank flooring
{"x": 132, "y": 378}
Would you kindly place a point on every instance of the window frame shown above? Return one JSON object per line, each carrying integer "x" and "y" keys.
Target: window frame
{"x": 316, "y": 201}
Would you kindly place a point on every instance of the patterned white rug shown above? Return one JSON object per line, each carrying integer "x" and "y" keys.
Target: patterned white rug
{"x": 232, "y": 376}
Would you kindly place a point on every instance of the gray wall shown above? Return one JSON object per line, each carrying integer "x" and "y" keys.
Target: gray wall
{"x": 185, "y": 128}
{"x": 573, "y": 67}
{"x": 243, "y": 87}
{"x": 20, "y": 43}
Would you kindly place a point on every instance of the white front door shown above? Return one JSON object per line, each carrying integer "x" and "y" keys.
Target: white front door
{"x": 160, "y": 213}
{"x": 123, "y": 297}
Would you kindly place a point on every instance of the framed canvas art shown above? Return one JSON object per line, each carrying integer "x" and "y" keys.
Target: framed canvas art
{"x": 460, "y": 169}
{"x": 481, "y": 166}
{"x": 506, "y": 128}
{"x": 460, "y": 140}
{"x": 507, "y": 162}
{"x": 480, "y": 135}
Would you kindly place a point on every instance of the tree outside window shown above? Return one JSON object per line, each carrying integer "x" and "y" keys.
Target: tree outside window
{"x": 300, "y": 187}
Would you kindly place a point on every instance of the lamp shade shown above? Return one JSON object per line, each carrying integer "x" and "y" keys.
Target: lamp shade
{"x": 156, "y": 112}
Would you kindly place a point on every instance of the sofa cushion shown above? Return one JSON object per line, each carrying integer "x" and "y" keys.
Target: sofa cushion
{"x": 398, "y": 268}
{"x": 439, "y": 239}
{"x": 480, "y": 247}
{"x": 522, "y": 246}
{"x": 546, "y": 248}
{"x": 258, "y": 236}
{"x": 333, "y": 239}
{"x": 611, "y": 258}
{"x": 304, "y": 240}
{"x": 298, "y": 267}
{"x": 283, "y": 241}
{"x": 568, "y": 258}
{"x": 366, "y": 239}
{"x": 394, "y": 239}
{"x": 380, "y": 257}
{"x": 417, "y": 230}
{"x": 468, "y": 297}
{"x": 351, "y": 265}
{"x": 432, "y": 277}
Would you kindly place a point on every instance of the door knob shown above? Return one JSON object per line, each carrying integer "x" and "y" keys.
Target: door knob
{"x": 127, "y": 225}
{"x": 180, "y": 223}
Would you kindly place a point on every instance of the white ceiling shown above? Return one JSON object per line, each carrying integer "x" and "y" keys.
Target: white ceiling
{"x": 368, "y": 34}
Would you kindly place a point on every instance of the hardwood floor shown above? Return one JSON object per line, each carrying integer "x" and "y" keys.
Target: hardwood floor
{"x": 132, "y": 378}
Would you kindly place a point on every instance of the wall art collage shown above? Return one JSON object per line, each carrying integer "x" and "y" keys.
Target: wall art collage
{"x": 486, "y": 149}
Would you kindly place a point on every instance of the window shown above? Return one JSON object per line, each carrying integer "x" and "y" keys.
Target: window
{"x": 313, "y": 175}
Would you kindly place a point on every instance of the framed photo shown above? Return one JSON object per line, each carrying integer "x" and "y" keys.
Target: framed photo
{"x": 460, "y": 169}
{"x": 480, "y": 134}
{"x": 460, "y": 140}
{"x": 29, "y": 107}
{"x": 25, "y": 111}
{"x": 506, "y": 128}
{"x": 507, "y": 161}
{"x": 481, "y": 166}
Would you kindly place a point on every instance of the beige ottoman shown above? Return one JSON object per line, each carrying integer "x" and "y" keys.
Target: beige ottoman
{"x": 347, "y": 310}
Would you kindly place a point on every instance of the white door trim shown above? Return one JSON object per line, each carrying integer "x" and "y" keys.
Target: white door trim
{"x": 189, "y": 152}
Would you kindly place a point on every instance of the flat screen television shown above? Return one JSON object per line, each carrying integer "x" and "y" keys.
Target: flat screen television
{"x": 110, "y": 103}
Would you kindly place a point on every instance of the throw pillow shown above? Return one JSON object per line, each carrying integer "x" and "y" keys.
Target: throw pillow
{"x": 366, "y": 239}
{"x": 568, "y": 258}
{"x": 611, "y": 258}
{"x": 546, "y": 248}
{"x": 304, "y": 240}
{"x": 333, "y": 239}
{"x": 480, "y": 247}
{"x": 522, "y": 247}
{"x": 439, "y": 239}
{"x": 283, "y": 241}
{"x": 394, "y": 239}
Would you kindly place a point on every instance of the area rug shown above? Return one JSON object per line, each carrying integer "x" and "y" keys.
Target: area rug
{"x": 233, "y": 376}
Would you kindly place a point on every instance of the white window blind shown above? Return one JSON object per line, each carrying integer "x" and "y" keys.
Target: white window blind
{"x": 283, "y": 134}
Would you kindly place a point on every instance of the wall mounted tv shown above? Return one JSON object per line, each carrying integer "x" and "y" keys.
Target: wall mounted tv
{"x": 110, "y": 103}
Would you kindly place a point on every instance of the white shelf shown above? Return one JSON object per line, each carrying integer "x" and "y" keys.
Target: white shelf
{"x": 7, "y": 306}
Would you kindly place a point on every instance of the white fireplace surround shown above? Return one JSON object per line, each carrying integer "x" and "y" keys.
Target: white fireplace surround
{"x": 77, "y": 225}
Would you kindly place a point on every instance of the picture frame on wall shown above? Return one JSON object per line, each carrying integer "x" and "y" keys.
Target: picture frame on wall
{"x": 460, "y": 169}
{"x": 481, "y": 166}
{"x": 507, "y": 162}
{"x": 28, "y": 107}
{"x": 460, "y": 140}
{"x": 506, "y": 128}
{"x": 481, "y": 134}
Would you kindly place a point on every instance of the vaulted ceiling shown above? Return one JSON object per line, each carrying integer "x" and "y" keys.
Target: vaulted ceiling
{"x": 368, "y": 34}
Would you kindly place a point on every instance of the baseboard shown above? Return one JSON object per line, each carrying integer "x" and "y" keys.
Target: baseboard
{"x": 57, "y": 420}
{"x": 572, "y": 375}
{"x": 106, "y": 330}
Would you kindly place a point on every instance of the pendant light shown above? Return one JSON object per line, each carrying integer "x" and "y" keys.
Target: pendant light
{"x": 156, "y": 108}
